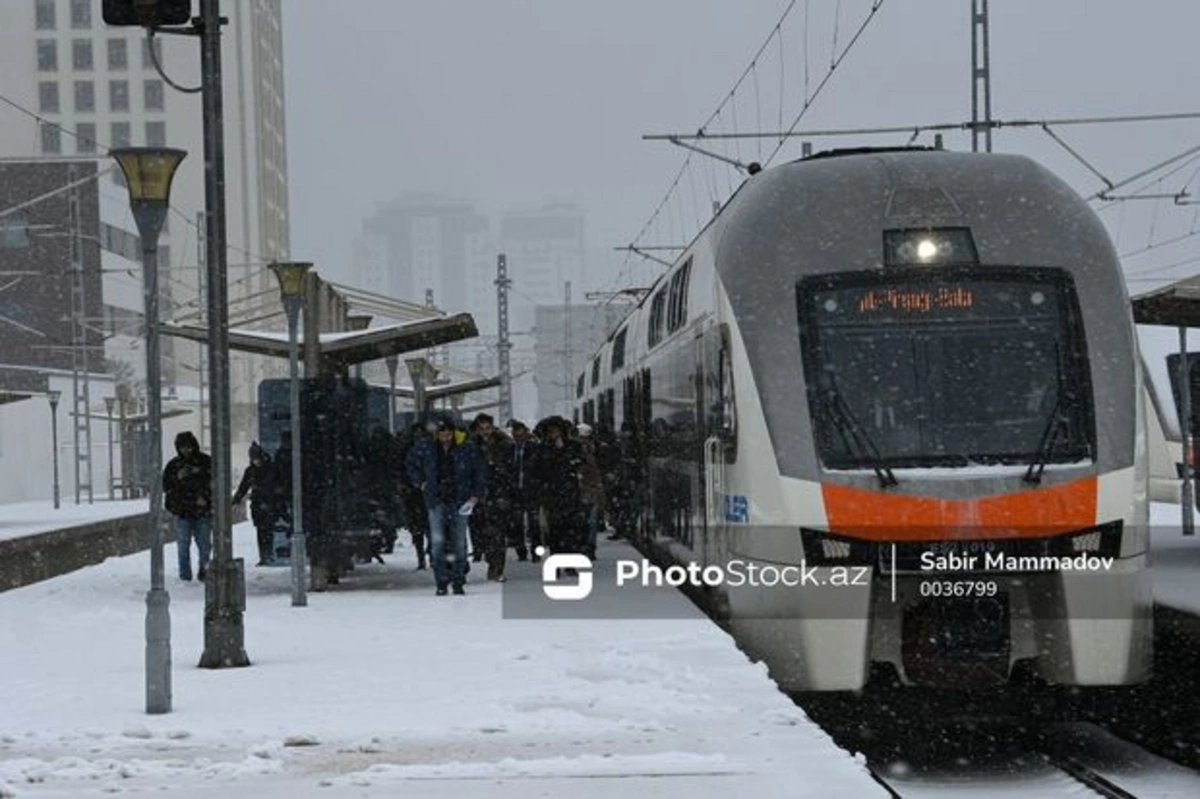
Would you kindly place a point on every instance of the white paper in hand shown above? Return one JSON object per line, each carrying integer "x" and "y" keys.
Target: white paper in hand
{"x": 467, "y": 508}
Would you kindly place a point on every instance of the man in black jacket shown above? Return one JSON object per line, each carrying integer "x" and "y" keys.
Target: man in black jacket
{"x": 187, "y": 484}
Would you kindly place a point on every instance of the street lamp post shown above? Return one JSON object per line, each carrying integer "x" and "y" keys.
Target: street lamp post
{"x": 291, "y": 275}
{"x": 112, "y": 484}
{"x": 392, "y": 362}
{"x": 53, "y": 397}
{"x": 148, "y": 174}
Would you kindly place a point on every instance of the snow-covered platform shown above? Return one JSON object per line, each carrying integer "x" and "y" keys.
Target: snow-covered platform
{"x": 28, "y": 518}
{"x": 380, "y": 688}
{"x": 39, "y": 542}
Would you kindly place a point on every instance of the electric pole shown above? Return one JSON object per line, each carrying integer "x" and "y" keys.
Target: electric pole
{"x": 567, "y": 381}
{"x": 81, "y": 419}
{"x": 503, "y": 345}
{"x": 981, "y": 77}
{"x": 201, "y": 249}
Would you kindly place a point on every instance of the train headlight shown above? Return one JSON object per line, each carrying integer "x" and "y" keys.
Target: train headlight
{"x": 1103, "y": 540}
{"x": 834, "y": 549}
{"x": 924, "y": 247}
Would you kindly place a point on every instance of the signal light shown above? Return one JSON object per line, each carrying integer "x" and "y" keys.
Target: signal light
{"x": 146, "y": 13}
{"x": 929, "y": 246}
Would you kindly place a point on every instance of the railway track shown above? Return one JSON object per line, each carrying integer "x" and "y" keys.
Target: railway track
{"x": 998, "y": 744}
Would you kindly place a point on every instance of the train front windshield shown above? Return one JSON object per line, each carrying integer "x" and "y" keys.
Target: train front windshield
{"x": 946, "y": 367}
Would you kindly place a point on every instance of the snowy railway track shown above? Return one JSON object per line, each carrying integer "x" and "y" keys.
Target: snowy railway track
{"x": 1091, "y": 778}
{"x": 1078, "y": 760}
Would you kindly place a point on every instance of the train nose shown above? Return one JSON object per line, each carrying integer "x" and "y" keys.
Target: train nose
{"x": 963, "y": 642}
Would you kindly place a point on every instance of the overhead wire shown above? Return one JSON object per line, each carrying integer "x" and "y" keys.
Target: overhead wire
{"x": 106, "y": 151}
{"x": 834, "y": 63}
{"x": 684, "y": 166}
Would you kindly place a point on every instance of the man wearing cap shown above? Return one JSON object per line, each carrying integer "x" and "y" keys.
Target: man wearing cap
{"x": 452, "y": 477}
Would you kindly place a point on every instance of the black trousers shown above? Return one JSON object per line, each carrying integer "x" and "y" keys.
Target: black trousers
{"x": 266, "y": 542}
{"x": 522, "y": 529}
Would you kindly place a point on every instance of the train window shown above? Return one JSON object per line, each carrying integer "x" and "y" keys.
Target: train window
{"x": 657, "y": 307}
{"x": 946, "y": 366}
{"x": 677, "y": 308}
{"x": 596, "y": 370}
{"x": 579, "y": 387}
{"x": 589, "y": 412}
{"x": 673, "y": 303}
{"x": 618, "y": 353}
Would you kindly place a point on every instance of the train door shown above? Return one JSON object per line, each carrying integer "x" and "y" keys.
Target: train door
{"x": 719, "y": 441}
{"x": 701, "y": 489}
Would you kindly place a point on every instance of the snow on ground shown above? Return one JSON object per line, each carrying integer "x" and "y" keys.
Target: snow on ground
{"x": 379, "y": 688}
{"x": 27, "y": 518}
{"x": 1174, "y": 559}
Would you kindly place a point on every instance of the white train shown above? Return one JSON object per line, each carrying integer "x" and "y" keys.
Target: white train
{"x": 871, "y": 367}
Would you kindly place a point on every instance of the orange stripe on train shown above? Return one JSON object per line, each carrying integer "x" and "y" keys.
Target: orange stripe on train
{"x": 1034, "y": 513}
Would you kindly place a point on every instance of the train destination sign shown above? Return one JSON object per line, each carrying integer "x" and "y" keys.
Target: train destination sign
{"x": 960, "y": 299}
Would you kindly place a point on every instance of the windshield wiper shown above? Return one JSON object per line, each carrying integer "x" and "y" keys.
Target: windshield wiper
{"x": 1058, "y": 422}
{"x": 850, "y": 429}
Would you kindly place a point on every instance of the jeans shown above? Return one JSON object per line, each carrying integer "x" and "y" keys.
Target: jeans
{"x": 442, "y": 517}
{"x": 185, "y": 530}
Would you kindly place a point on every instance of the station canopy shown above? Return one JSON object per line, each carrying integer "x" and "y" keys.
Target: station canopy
{"x": 20, "y": 384}
{"x": 1174, "y": 305}
{"x": 345, "y": 349}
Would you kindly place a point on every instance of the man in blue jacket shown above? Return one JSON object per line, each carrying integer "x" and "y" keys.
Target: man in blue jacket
{"x": 452, "y": 477}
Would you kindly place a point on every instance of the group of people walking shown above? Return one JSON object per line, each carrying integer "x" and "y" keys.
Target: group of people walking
{"x": 464, "y": 495}
{"x": 545, "y": 490}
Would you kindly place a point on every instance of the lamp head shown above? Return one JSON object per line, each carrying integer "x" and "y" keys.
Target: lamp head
{"x": 149, "y": 171}
{"x": 53, "y": 397}
{"x": 291, "y": 276}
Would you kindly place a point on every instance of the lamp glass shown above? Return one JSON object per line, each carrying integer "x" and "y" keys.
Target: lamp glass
{"x": 54, "y": 395}
{"x": 291, "y": 276}
{"x": 149, "y": 171}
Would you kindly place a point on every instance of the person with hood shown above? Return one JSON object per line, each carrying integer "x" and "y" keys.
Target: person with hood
{"x": 265, "y": 500}
{"x": 187, "y": 487}
{"x": 411, "y": 494}
{"x": 558, "y": 473}
{"x": 453, "y": 479}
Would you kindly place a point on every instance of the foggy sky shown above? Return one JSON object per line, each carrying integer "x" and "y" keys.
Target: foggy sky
{"x": 511, "y": 103}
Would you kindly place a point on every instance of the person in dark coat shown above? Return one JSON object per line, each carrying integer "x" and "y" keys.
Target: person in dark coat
{"x": 452, "y": 477}
{"x": 521, "y": 520}
{"x": 487, "y": 522}
{"x": 626, "y": 485}
{"x": 259, "y": 481}
{"x": 416, "y": 515}
{"x": 187, "y": 486}
{"x": 558, "y": 471}
{"x": 382, "y": 481}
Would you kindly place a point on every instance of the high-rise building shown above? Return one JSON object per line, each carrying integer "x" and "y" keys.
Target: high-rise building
{"x": 85, "y": 87}
{"x": 545, "y": 250}
{"x": 423, "y": 242}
